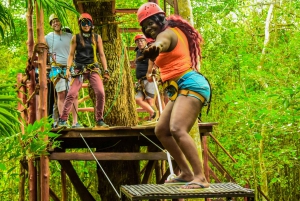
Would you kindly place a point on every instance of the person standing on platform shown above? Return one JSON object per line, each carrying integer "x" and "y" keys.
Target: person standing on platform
{"x": 58, "y": 42}
{"x": 83, "y": 50}
{"x": 144, "y": 90}
{"x": 176, "y": 51}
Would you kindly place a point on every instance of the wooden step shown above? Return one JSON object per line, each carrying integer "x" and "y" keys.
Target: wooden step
{"x": 129, "y": 30}
{"x": 126, "y": 10}
{"x": 130, "y": 48}
{"x": 91, "y": 109}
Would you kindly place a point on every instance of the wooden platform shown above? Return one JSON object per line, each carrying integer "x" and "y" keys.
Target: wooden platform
{"x": 160, "y": 191}
{"x": 70, "y": 137}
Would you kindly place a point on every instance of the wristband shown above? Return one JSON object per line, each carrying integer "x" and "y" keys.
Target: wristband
{"x": 106, "y": 71}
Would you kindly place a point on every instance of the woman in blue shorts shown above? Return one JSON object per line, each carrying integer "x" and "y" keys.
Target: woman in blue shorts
{"x": 176, "y": 52}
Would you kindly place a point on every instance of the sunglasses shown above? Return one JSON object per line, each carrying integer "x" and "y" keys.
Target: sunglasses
{"x": 86, "y": 22}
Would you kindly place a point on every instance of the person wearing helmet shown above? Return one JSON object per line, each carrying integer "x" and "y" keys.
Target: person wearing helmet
{"x": 176, "y": 51}
{"x": 144, "y": 90}
{"x": 58, "y": 42}
{"x": 83, "y": 50}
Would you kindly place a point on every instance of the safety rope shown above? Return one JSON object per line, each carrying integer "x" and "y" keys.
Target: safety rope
{"x": 100, "y": 165}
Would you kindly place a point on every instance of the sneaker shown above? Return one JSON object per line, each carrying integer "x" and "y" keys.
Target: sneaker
{"x": 61, "y": 123}
{"x": 101, "y": 123}
{"x": 77, "y": 125}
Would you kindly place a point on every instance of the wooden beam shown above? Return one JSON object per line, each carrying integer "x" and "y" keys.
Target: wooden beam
{"x": 108, "y": 156}
{"x": 126, "y": 10}
{"x": 86, "y": 109}
{"x": 82, "y": 191}
{"x": 129, "y": 30}
{"x": 130, "y": 48}
{"x": 91, "y": 109}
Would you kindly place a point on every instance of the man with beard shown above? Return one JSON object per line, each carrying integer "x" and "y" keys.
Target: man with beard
{"x": 59, "y": 47}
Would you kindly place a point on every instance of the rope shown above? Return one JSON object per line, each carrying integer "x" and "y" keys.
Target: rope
{"x": 99, "y": 165}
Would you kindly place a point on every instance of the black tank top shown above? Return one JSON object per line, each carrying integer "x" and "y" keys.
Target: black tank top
{"x": 84, "y": 54}
{"x": 141, "y": 66}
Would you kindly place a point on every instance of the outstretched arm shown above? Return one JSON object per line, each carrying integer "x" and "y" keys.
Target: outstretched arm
{"x": 163, "y": 43}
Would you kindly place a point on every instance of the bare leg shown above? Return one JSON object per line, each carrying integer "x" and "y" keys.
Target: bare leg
{"x": 61, "y": 96}
{"x": 163, "y": 133}
{"x": 181, "y": 146}
{"x": 145, "y": 105}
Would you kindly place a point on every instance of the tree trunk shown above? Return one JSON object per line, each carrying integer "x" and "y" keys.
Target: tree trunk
{"x": 119, "y": 172}
{"x": 42, "y": 56}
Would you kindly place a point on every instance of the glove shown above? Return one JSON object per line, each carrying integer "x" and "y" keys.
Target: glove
{"x": 151, "y": 53}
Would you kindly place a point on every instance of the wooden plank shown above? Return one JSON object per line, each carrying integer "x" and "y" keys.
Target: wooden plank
{"x": 129, "y": 30}
{"x": 108, "y": 156}
{"x": 91, "y": 109}
{"x": 131, "y": 48}
{"x": 85, "y": 85}
{"x": 89, "y": 133}
{"x": 86, "y": 109}
{"x": 126, "y": 10}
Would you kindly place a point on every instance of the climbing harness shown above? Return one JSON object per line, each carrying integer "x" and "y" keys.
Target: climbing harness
{"x": 100, "y": 165}
{"x": 140, "y": 86}
{"x": 172, "y": 89}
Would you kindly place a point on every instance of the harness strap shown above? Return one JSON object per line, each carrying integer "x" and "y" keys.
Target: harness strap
{"x": 185, "y": 92}
{"x": 58, "y": 65}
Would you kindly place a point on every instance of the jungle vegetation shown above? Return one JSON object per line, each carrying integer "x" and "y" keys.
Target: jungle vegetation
{"x": 251, "y": 57}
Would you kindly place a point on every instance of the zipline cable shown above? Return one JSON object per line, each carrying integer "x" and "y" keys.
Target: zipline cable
{"x": 99, "y": 165}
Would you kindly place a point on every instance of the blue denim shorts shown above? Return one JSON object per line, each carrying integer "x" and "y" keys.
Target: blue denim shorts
{"x": 196, "y": 82}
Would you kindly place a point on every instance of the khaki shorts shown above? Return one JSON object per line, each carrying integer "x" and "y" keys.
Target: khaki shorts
{"x": 149, "y": 89}
{"x": 61, "y": 85}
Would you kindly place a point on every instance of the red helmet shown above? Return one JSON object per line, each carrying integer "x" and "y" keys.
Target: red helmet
{"x": 148, "y": 9}
{"x": 85, "y": 16}
{"x": 149, "y": 40}
{"x": 139, "y": 36}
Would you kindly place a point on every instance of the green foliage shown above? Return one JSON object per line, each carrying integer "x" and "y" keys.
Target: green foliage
{"x": 257, "y": 107}
{"x": 59, "y": 7}
{"x": 6, "y": 20}
{"x": 8, "y": 115}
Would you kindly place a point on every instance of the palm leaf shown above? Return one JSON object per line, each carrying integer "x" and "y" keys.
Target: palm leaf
{"x": 9, "y": 122}
{"x": 6, "y": 20}
{"x": 59, "y": 7}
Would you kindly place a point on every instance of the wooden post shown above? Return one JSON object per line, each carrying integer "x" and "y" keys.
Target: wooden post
{"x": 64, "y": 194}
{"x": 205, "y": 157}
{"x": 22, "y": 169}
{"x": 32, "y": 183}
{"x": 42, "y": 56}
